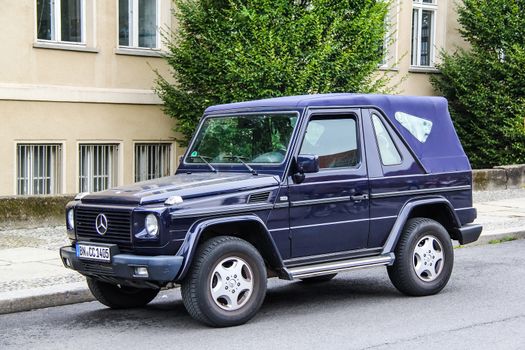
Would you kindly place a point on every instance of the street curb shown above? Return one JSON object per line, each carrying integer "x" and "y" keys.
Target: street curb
{"x": 38, "y": 298}
{"x": 73, "y": 293}
{"x": 515, "y": 233}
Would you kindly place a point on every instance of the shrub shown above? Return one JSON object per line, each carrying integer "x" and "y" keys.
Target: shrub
{"x": 235, "y": 50}
{"x": 485, "y": 85}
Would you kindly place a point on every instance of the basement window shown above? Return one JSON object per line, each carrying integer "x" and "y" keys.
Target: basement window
{"x": 38, "y": 169}
{"x": 152, "y": 160}
{"x": 98, "y": 167}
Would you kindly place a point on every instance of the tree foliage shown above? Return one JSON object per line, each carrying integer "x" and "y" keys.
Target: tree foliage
{"x": 234, "y": 50}
{"x": 485, "y": 85}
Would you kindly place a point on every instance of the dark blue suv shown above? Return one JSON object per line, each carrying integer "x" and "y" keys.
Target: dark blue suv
{"x": 299, "y": 187}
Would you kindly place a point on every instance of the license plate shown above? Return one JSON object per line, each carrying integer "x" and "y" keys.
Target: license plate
{"x": 93, "y": 252}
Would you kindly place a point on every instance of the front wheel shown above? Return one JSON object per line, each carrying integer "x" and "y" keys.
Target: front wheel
{"x": 226, "y": 283}
{"x": 122, "y": 297}
{"x": 424, "y": 258}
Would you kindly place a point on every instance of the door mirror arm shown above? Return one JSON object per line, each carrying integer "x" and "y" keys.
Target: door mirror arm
{"x": 298, "y": 177}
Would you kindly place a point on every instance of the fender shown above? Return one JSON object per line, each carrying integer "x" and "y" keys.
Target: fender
{"x": 188, "y": 247}
{"x": 397, "y": 229}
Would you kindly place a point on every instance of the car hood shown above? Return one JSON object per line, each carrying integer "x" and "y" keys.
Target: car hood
{"x": 185, "y": 185}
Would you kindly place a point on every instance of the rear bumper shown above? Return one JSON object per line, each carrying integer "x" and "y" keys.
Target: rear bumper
{"x": 161, "y": 269}
{"x": 469, "y": 233}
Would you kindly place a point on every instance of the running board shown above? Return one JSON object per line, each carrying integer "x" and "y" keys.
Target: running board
{"x": 339, "y": 266}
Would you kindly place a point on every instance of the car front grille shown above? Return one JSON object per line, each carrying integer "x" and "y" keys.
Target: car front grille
{"x": 118, "y": 230}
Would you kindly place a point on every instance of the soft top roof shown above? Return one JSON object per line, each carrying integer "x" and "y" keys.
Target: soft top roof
{"x": 440, "y": 152}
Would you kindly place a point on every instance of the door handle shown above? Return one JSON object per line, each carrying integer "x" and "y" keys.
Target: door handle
{"x": 359, "y": 197}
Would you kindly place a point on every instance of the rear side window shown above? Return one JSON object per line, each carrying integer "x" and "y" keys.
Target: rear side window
{"x": 387, "y": 148}
{"x": 419, "y": 127}
{"x": 334, "y": 140}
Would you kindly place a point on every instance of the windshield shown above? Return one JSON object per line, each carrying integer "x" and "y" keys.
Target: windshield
{"x": 259, "y": 138}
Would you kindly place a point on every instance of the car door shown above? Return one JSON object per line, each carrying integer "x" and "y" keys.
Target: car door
{"x": 329, "y": 210}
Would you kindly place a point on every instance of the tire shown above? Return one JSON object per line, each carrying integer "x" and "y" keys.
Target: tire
{"x": 424, "y": 258}
{"x": 318, "y": 279}
{"x": 226, "y": 283}
{"x": 122, "y": 297}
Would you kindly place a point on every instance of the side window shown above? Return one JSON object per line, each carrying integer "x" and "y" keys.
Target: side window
{"x": 334, "y": 140}
{"x": 387, "y": 149}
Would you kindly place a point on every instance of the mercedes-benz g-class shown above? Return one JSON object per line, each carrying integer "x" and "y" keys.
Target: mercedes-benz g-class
{"x": 299, "y": 187}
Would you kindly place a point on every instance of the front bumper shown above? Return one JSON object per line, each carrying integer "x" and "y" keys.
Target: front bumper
{"x": 161, "y": 269}
{"x": 469, "y": 233}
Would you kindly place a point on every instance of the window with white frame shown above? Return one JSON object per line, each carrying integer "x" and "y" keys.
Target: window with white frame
{"x": 60, "y": 20}
{"x": 423, "y": 23}
{"x": 98, "y": 167}
{"x": 38, "y": 169}
{"x": 138, "y": 23}
{"x": 386, "y": 43}
{"x": 152, "y": 160}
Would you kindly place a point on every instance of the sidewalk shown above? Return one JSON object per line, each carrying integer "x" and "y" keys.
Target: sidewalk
{"x": 32, "y": 275}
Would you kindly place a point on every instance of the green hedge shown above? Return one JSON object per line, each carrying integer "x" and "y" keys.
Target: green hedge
{"x": 236, "y": 50}
{"x": 485, "y": 85}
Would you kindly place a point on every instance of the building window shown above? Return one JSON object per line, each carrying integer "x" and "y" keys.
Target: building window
{"x": 386, "y": 43}
{"x": 60, "y": 20}
{"x": 138, "y": 23}
{"x": 152, "y": 160}
{"x": 38, "y": 169}
{"x": 98, "y": 167}
{"x": 423, "y": 23}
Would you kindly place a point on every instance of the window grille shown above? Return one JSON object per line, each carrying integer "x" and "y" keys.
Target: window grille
{"x": 38, "y": 169}
{"x": 152, "y": 161}
{"x": 98, "y": 167}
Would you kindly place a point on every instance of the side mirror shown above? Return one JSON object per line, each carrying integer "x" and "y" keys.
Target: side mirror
{"x": 307, "y": 163}
{"x": 180, "y": 159}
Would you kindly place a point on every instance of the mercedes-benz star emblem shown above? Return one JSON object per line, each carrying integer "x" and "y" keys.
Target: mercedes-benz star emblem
{"x": 101, "y": 224}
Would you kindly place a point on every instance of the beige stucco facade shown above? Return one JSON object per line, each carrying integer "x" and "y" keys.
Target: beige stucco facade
{"x": 99, "y": 93}
{"x": 408, "y": 79}
{"x": 70, "y": 124}
{"x": 72, "y": 94}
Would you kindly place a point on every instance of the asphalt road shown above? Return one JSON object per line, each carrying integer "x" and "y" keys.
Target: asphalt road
{"x": 483, "y": 307}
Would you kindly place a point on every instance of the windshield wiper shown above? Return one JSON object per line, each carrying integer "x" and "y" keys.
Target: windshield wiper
{"x": 206, "y": 162}
{"x": 252, "y": 170}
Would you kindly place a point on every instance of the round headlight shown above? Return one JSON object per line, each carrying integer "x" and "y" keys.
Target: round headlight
{"x": 152, "y": 225}
{"x": 71, "y": 219}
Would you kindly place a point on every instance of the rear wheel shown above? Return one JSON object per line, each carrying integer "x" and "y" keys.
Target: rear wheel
{"x": 226, "y": 283}
{"x": 122, "y": 297}
{"x": 424, "y": 258}
{"x": 318, "y": 279}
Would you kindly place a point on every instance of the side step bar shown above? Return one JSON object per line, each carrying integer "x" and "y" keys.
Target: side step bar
{"x": 339, "y": 266}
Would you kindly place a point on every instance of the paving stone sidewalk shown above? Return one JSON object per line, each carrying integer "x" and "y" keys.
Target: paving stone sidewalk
{"x": 32, "y": 275}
